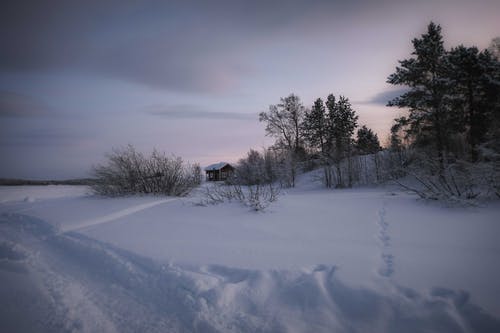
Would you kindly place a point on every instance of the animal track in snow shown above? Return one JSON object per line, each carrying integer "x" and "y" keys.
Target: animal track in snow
{"x": 386, "y": 268}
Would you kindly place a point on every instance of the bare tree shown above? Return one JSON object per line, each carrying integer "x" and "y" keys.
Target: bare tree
{"x": 283, "y": 122}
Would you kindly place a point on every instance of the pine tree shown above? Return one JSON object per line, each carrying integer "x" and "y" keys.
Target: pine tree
{"x": 398, "y": 134}
{"x": 466, "y": 96}
{"x": 315, "y": 131}
{"x": 331, "y": 105}
{"x": 454, "y": 112}
{"x": 490, "y": 96}
{"x": 367, "y": 141}
{"x": 315, "y": 127}
{"x": 342, "y": 123}
{"x": 424, "y": 74}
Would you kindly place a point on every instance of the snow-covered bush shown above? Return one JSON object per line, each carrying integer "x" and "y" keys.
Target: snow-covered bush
{"x": 459, "y": 182}
{"x": 128, "y": 171}
{"x": 369, "y": 169}
{"x": 257, "y": 197}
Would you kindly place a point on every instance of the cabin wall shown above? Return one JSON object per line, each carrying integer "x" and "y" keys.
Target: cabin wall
{"x": 219, "y": 175}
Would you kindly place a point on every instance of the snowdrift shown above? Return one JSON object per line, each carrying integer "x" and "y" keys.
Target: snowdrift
{"x": 52, "y": 281}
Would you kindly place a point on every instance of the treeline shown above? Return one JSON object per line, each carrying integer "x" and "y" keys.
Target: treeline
{"x": 448, "y": 143}
{"x": 305, "y": 140}
{"x": 447, "y": 146}
{"x": 308, "y": 138}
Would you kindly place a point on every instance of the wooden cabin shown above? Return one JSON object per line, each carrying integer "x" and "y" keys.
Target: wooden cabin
{"x": 218, "y": 171}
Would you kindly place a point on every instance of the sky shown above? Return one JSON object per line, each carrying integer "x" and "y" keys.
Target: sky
{"x": 79, "y": 78}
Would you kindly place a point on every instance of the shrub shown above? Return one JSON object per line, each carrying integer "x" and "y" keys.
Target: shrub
{"x": 128, "y": 171}
{"x": 460, "y": 182}
{"x": 257, "y": 197}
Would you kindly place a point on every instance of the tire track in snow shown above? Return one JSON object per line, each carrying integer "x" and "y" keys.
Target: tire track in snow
{"x": 386, "y": 269}
{"x": 113, "y": 216}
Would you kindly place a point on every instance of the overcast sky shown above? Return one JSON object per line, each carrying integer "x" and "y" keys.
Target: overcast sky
{"x": 189, "y": 77}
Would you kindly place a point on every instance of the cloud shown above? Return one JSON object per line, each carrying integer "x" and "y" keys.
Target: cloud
{"x": 188, "y": 46}
{"x": 185, "y": 111}
{"x": 175, "y": 45}
{"x": 41, "y": 137}
{"x": 385, "y": 96}
{"x": 167, "y": 45}
{"x": 20, "y": 105}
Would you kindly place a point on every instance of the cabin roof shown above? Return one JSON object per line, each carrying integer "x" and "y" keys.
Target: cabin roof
{"x": 216, "y": 166}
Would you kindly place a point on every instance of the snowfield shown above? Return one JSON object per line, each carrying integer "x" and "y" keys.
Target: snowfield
{"x": 358, "y": 260}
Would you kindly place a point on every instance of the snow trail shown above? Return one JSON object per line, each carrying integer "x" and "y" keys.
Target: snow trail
{"x": 113, "y": 216}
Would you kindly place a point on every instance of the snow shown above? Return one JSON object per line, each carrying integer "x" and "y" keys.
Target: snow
{"x": 35, "y": 193}
{"x": 113, "y": 216}
{"x": 357, "y": 260}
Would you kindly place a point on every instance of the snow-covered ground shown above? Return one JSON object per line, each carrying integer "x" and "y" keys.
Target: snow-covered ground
{"x": 37, "y": 193}
{"x": 359, "y": 260}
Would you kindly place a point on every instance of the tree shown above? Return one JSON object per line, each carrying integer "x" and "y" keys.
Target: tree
{"x": 424, "y": 74}
{"x": 451, "y": 93}
{"x": 251, "y": 170}
{"x": 454, "y": 114}
{"x": 315, "y": 127}
{"x": 494, "y": 48}
{"x": 398, "y": 134}
{"x": 490, "y": 96}
{"x": 283, "y": 121}
{"x": 367, "y": 141}
{"x": 342, "y": 123}
{"x": 467, "y": 96}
